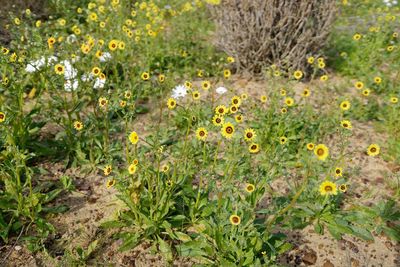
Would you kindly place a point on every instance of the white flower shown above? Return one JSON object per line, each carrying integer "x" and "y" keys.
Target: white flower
{"x": 70, "y": 85}
{"x": 35, "y": 65}
{"x": 51, "y": 60}
{"x": 221, "y": 90}
{"x": 105, "y": 56}
{"x": 87, "y": 77}
{"x": 99, "y": 83}
{"x": 71, "y": 38}
{"x": 38, "y": 64}
{"x": 179, "y": 91}
{"x": 75, "y": 59}
{"x": 70, "y": 72}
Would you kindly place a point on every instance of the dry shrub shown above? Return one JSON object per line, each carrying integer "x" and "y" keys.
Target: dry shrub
{"x": 264, "y": 32}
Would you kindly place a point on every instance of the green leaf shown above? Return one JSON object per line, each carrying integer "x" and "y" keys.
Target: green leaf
{"x": 361, "y": 233}
{"x": 319, "y": 228}
{"x": 112, "y": 224}
{"x": 249, "y": 258}
{"x": 183, "y": 237}
{"x": 165, "y": 250}
{"x": 130, "y": 241}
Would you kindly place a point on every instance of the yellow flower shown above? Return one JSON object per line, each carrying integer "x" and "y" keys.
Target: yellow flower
{"x": 234, "y": 219}
{"x": 201, "y": 134}
{"x": 205, "y": 85}
{"x": 227, "y": 130}
{"x": 59, "y": 69}
{"x": 62, "y": 22}
{"x": 113, "y": 45}
{"x": 357, "y": 36}
{"x": 282, "y": 140}
{"x": 221, "y": 110}
{"x": 236, "y": 100}
{"x": 122, "y": 103}
{"x": 343, "y": 188}
{"x": 2, "y": 117}
{"x": 110, "y": 183}
{"x": 366, "y": 92}
{"x": 132, "y": 168}
{"x": 96, "y": 71}
{"x": 359, "y": 85}
{"x": 145, "y": 76}
{"x": 218, "y": 120}
{"x": 394, "y": 100}
{"x": 345, "y": 105}
{"x": 243, "y": 96}
{"x": 373, "y": 150}
{"x": 310, "y": 60}
{"x": 254, "y": 148}
{"x": 134, "y": 138}
{"x": 227, "y": 74}
{"x": 103, "y": 102}
{"x": 283, "y": 92}
{"x": 321, "y": 65}
{"x": 127, "y": 94}
{"x": 195, "y": 95}
{"x": 310, "y": 146}
{"x": 161, "y": 78}
{"x": 346, "y": 124}
{"x": 200, "y": 73}
{"x": 323, "y": 78}
{"x": 188, "y": 85}
{"x": 171, "y": 103}
{"x": 107, "y": 170}
{"x": 321, "y": 151}
{"x": 249, "y": 134}
{"x": 249, "y": 188}
{"x": 121, "y": 45}
{"x": 230, "y": 59}
{"x": 239, "y": 118}
{"x": 328, "y": 188}
{"x": 5, "y": 51}
{"x": 165, "y": 168}
{"x": 306, "y": 92}
{"x": 377, "y": 80}
{"x": 390, "y": 48}
{"x": 283, "y": 110}
{"x": 338, "y": 172}
{"x": 233, "y": 109}
{"x": 78, "y": 125}
{"x": 263, "y": 99}
{"x": 289, "y": 101}
{"x": 298, "y": 74}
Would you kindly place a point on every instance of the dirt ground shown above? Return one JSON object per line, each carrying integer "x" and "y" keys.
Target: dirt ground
{"x": 93, "y": 203}
{"x": 7, "y": 7}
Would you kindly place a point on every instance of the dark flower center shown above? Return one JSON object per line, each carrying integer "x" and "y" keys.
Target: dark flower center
{"x": 328, "y": 188}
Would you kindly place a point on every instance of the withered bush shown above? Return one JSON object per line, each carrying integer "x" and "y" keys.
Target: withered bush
{"x": 264, "y": 32}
